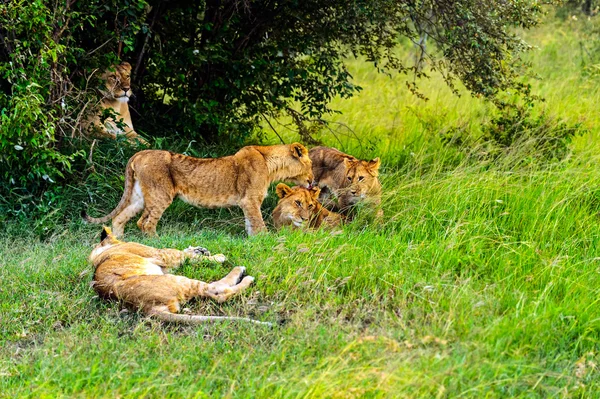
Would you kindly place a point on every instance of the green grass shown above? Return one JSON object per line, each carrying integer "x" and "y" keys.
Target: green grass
{"x": 483, "y": 282}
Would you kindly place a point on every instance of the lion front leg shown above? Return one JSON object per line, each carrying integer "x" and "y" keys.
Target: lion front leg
{"x": 203, "y": 253}
{"x": 253, "y": 217}
{"x": 171, "y": 258}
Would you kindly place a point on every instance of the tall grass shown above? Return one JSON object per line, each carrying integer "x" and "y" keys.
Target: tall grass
{"x": 483, "y": 281}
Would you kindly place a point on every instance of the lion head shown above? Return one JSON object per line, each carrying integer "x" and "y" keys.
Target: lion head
{"x": 296, "y": 205}
{"x": 118, "y": 82}
{"x": 361, "y": 181}
{"x": 289, "y": 163}
{"x": 107, "y": 240}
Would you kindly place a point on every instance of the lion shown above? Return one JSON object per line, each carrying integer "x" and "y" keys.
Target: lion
{"x": 346, "y": 178}
{"x": 154, "y": 178}
{"x": 138, "y": 276}
{"x": 115, "y": 99}
{"x": 299, "y": 207}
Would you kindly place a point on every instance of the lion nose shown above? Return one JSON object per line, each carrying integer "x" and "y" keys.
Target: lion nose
{"x": 126, "y": 88}
{"x": 353, "y": 192}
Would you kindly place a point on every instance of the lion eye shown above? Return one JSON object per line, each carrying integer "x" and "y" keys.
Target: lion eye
{"x": 310, "y": 206}
{"x": 349, "y": 178}
{"x": 298, "y": 203}
{"x": 361, "y": 178}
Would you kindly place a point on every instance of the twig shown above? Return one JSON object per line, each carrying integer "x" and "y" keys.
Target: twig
{"x": 99, "y": 47}
{"x": 303, "y": 131}
{"x": 146, "y": 39}
{"x": 326, "y": 124}
{"x": 77, "y": 121}
{"x": 274, "y": 131}
{"x": 90, "y": 161}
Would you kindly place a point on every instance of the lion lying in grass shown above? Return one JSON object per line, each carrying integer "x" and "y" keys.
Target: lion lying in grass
{"x": 137, "y": 275}
{"x": 153, "y": 179}
{"x": 299, "y": 207}
{"x": 345, "y": 178}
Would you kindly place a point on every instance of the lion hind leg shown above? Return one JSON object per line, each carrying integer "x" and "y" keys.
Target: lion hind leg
{"x": 142, "y": 219}
{"x": 155, "y": 212}
{"x": 234, "y": 276}
{"x": 125, "y": 215}
{"x": 157, "y": 201}
{"x": 230, "y": 285}
{"x": 164, "y": 295}
{"x": 134, "y": 206}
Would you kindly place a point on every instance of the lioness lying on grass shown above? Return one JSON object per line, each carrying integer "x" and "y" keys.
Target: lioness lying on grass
{"x": 345, "y": 178}
{"x": 299, "y": 207}
{"x": 153, "y": 179}
{"x": 137, "y": 275}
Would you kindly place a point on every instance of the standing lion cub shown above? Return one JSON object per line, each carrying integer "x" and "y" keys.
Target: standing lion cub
{"x": 153, "y": 179}
{"x": 137, "y": 275}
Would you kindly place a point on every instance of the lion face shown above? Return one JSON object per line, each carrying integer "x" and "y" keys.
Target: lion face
{"x": 360, "y": 180}
{"x": 302, "y": 165}
{"x": 296, "y": 204}
{"x": 118, "y": 82}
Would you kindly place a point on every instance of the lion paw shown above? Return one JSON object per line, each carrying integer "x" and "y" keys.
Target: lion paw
{"x": 197, "y": 251}
{"x": 219, "y": 258}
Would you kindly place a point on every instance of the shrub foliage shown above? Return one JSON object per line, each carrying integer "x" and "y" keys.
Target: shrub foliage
{"x": 212, "y": 69}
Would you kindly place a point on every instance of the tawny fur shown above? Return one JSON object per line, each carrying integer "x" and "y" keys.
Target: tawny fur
{"x": 138, "y": 276}
{"x": 299, "y": 207}
{"x": 153, "y": 179}
{"x": 346, "y": 178}
{"x": 117, "y": 80}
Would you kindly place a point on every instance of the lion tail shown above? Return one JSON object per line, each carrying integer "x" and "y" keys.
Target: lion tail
{"x": 129, "y": 181}
{"x": 196, "y": 319}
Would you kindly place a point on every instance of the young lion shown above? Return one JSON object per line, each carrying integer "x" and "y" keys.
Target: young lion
{"x": 154, "y": 178}
{"x": 137, "y": 275}
{"x": 300, "y": 207}
{"x": 115, "y": 98}
{"x": 346, "y": 178}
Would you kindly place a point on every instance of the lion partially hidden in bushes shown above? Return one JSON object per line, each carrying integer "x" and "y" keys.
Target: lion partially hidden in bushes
{"x": 114, "y": 105}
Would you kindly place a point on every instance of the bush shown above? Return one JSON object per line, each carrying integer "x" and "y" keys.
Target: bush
{"x": 212, "y": 70}
{"x": 517, "y": 135}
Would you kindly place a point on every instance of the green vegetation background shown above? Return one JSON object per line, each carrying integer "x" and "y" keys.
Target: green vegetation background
{"x": 484, "y": 280}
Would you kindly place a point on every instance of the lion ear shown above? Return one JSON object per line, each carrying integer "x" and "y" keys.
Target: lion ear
{"x": 126, "y": 65}
{"x": 315, "y": 191}
{"x": 298, "y": 150}
{"x": 373, "y": 166}
{"x": 282, "y": 190}
{"x": 106, "y": 232}
{"x": 348, "y": 163}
